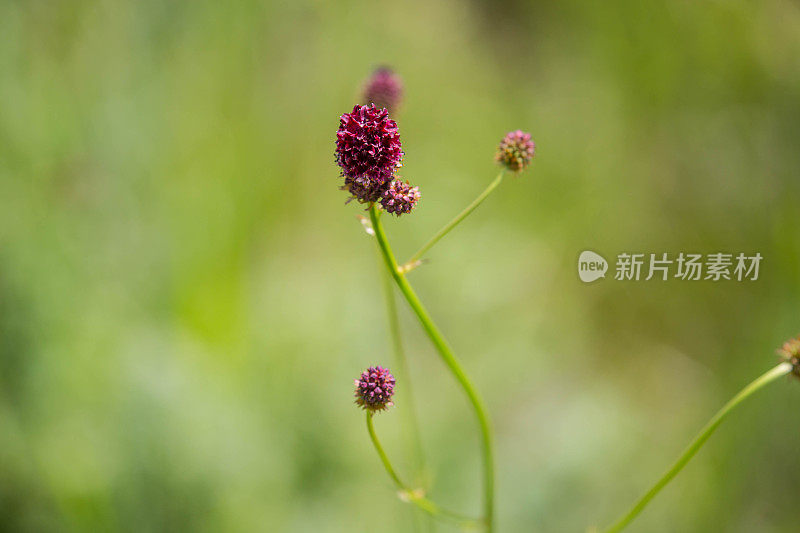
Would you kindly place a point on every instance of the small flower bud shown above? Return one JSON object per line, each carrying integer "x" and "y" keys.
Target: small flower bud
{"x": 400, "y": 197}
{"x": 374, "y": 389}
{"x": 516, "y": 150}
{"x": 384, "y": 89}
{"x": 790, "y": 352}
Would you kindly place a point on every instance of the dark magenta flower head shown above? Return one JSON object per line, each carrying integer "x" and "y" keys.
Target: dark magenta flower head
{"x": 368, "y": 151}
{"x": 384, "y": 89}
{"x": 400, "y": 198}
{"x": 516, "y": 150}
{"x": 790, "y": 352}
{"x": 375, "y": 388}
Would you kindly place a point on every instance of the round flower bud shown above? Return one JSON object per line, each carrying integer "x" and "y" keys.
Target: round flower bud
{"x": 368, "y": 151}
{"x": 790, "y": 352}
{"x": 516, "y": 150}
{"x": 400, "y": 197}
{"x": 384, "y": 89}
{"x": 374, "y": 389}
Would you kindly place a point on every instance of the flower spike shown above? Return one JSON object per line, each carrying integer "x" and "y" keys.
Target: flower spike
{"x": 400, "y": 197}
{"x": 368, "y": 150}
{"x": 384, "y": 89}
{"x": 516, "y": 151}
{"x": 790, "y": 352}
{"x": 374, "y": 389}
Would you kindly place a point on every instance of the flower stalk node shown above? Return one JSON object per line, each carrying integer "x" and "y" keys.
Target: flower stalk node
{"x": 366, "y": 224}
{"x": 411, "y": 265}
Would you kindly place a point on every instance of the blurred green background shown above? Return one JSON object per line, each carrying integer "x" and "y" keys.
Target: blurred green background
{"x": 185, "y": 299}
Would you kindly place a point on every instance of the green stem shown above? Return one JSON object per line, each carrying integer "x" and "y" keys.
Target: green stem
{"x": 407, "y": 492}
{"x": 382, "y": 454}
{"x": 404, "y": 374}
{"x": 458, "y": 218}
{"x": 449, "y": 359}
{"x": 767, "y": 378}
{"x": 410, "y": 420}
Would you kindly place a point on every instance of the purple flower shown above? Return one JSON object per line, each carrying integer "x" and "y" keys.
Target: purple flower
{"x": 368, "y": 150}
{"x": 515, "y": 150}
{"x": 375, "y": 388}
{"x": 790, "y": 352}
{"x": 400, "y": 197}
{"x": 384, "y": 89}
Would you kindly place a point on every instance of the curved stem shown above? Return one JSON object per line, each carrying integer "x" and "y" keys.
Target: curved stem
{"x": 449, "y": 359}
{"x": 404, "y": 374}
{"x": 382, "y": 454}
{"x": 408, "y": 493}
{"x": 458, "y": 218}
{"x": 767, "y": 378}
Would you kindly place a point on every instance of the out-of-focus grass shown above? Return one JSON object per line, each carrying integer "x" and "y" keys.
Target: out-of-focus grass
{"x": 185, "y": 300}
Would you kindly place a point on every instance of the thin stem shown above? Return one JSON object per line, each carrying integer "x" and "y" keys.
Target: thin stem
{"x": 458, "y": 218}
{"x": 450, "y": 360}
{"x": 410, "y": 413}
{"x": 408, "y": 493}
{"x": 764, "y": 380}
{"x": 382, "y": 454}
{"x": 405, "y": 374}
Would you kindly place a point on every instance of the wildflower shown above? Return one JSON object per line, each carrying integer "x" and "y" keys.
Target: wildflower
{"x": 384, "y": 89}
{"x": 516, "y": 150}
{"x": 400, "y": 197}
{"x": 375, "y": 388}
{"x": 368, "y": 151}
{"x": 790, "y": 352}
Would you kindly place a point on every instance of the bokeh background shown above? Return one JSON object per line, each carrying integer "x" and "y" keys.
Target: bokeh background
{"x": 185, "y": 299}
